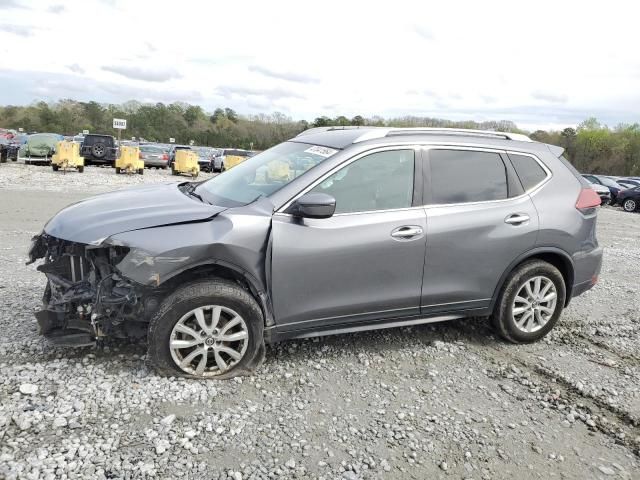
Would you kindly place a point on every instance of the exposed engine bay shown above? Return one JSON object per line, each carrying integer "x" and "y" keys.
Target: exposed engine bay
{"x": 86, "y": 298}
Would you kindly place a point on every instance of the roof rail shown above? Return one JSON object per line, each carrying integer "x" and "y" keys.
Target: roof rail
{"x": 387, "y": 132}
{"x": 327, "y": 129}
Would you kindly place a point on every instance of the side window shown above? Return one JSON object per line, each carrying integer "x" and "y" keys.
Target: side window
{"x": 459, "y": 176}
{"x": 379, "y": 181}
{"x": 528, "y": 169}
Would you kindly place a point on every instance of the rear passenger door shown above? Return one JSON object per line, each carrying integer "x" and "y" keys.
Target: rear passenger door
{"x": 479, "y": 219}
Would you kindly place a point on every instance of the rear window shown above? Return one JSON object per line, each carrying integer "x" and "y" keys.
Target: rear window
{"x": 528, "y": 169}
{"x": 151, "y": 149}
{"x": 460, "y": 176}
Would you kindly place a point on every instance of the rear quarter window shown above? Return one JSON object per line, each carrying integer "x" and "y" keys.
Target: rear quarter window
{"x": 528, "y": 169}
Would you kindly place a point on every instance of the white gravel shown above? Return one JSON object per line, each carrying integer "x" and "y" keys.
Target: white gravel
{"x": 436, "y": 401}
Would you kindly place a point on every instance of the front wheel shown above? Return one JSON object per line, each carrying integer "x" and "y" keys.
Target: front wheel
{"x": 629, "y": 205}
{"x": 530, "y": 303}
{"x": 207, "y": 329}
{"x": 55, "y": 167}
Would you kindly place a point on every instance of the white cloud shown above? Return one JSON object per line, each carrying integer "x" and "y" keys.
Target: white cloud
{"x": 554, "y": 66}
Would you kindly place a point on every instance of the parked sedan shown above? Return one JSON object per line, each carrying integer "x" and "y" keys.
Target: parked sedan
{"x": 630, "y": 199}
{"x": 603, "y": 192}
{"x": 154, "y": 156}
{"x": 629, "y": 182}
{"x": 614, "y": 187}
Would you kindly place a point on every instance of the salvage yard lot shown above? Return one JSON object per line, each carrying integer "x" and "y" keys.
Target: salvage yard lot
{"x": 444, "y": 400}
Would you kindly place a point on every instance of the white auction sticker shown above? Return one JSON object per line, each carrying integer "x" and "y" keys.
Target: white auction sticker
{"x": 321, "y": 151}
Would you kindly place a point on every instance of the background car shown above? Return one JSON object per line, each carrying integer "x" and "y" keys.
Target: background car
{"x": 629, "y": 199}
{"x": 603, "y": 192}
{"x": 101, "y": 149}
{"x": 205, "y": 158}
{"x": 39, "y": 147}
{"x": 628, "y": 182}
{"x": 154, "y": 156}
{"x": 614, "y": 187}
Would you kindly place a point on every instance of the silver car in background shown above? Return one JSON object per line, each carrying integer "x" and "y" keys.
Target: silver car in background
{"x": 154, "y": 156}
{"x": 337, "y": 230}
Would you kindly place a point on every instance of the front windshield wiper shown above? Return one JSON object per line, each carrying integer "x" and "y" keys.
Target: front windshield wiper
{"x": 190, "y": 189}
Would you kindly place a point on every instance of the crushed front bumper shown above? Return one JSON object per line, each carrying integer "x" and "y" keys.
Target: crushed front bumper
{"x": 86, "y": 298}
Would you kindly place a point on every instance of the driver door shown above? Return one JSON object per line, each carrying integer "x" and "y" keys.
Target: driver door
{"x": 366, "y": 261}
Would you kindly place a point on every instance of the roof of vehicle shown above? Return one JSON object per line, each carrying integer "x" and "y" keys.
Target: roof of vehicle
{"x": 98, "y": 135}
{"x": 342, "y": 137}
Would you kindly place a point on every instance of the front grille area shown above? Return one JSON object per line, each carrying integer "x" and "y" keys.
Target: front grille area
{"x": 78, "y": 268}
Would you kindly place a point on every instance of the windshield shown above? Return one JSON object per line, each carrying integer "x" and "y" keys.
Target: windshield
{"x": 263, "y": 174}
{"x": 608, "y": 182}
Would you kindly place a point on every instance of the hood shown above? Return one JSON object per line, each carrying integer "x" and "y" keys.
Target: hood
{"x": 99, "y": 217}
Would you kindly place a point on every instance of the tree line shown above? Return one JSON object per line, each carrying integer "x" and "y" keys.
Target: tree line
{"x": 591, "y": 147}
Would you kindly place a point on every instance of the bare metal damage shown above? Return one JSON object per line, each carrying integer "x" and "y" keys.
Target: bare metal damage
{"x": 113, "y": 286}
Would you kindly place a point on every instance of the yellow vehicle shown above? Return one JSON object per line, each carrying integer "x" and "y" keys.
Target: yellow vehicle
{"x": 129, "y": 160}
{"x": 67, "y": 156}
{"x": 234, "y": 156}
{"x": 186, "y": 161}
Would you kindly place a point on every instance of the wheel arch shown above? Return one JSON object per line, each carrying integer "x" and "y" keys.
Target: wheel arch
{"x": 228, "y": 271}
{"x": 555, "y": 256}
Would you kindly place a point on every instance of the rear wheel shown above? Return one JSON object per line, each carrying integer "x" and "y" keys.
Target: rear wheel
{"x": 81, "y": 169}
{"x": 630, "y": 205}
{"x": 117, "y": 169}
{"x": 207, "y": 329}
{"x": 141, "y": 171}
{"x": 530, "y": 303}
{"x": 55, "y": 167}
{"x": 173, "y": 171}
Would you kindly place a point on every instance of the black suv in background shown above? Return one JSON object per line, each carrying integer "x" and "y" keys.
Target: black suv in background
{"x": 99, "y": 149}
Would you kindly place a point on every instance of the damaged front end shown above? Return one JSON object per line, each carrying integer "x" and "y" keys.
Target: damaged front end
{"x": 86, "y": 297}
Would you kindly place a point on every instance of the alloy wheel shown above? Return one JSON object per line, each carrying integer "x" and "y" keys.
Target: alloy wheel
{"x": 209, "y": 340}
{"x": 629, "y": 205}
{"x": 534, "y": 304}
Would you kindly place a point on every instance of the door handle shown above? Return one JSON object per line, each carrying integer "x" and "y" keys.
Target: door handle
{"x": 517, "y": 219}
{"x": 406, "y": 232}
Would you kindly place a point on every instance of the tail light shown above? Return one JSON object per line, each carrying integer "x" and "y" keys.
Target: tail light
{"x": 165, "y": 156}
{"x": 587, "y": 199}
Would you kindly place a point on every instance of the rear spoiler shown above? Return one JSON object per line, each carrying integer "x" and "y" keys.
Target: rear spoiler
{"x": 557, "y": 151}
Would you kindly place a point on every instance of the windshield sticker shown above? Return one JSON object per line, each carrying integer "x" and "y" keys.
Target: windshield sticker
{"x": 321, "y": 151}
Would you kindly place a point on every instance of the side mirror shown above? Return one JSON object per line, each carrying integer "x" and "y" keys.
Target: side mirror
{"x": 313, "y": 205}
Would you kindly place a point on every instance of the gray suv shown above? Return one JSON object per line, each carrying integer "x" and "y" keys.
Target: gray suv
{"x": 337, "y": 230}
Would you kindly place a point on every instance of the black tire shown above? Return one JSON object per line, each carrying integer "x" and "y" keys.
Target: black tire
{"x": 99, "y": 150}
{"x": 55, "y": 167}
{"x": 222, "y": 168}
{"x": 141, "y": 171}
{"x": 629, "y": 205}
{"x": 117, "y": 169}
{"x": 202, "y": 293}
{"x": 81, "y": 169}
{"x": 173, "y": 171}
{"x": 502, "y": 317}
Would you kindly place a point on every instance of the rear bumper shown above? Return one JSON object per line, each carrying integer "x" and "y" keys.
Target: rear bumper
{"x": 587, "y": 267}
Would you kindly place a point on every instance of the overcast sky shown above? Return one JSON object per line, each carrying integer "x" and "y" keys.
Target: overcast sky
{"x": 540, "y": 64}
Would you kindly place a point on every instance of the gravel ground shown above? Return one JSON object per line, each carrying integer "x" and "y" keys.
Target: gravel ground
{"x": 437, "y": 401}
